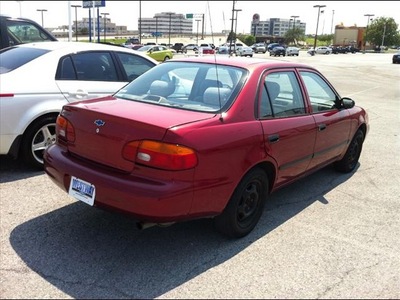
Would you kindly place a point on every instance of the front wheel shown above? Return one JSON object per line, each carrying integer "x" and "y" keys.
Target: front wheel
{"x": 36, "y": 139}
{"x": 350, "y": 159}
{"x": 245, "y": 207}
{"x": 166, "y": 58}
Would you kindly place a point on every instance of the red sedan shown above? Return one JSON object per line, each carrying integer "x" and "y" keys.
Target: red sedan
{"x": 204, "y": 137}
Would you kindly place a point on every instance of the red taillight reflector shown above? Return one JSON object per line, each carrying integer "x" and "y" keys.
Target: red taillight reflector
{"x": 6, "y": 95}
{"x": 160, "y": 155}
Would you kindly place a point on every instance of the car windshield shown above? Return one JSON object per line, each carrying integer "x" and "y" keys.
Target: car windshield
{"x": 201, "y": 87}
{"x": 14, "y": 57}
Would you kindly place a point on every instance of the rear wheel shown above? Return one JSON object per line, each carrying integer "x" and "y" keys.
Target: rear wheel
{"x": 350, "y": 159}
{"x": 166, "y": 58}
{"x": 245, "y": 207}
{"x": 40, "y": 135}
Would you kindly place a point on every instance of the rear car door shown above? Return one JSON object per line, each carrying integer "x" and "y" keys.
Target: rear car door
{"x": 289, "y": 132}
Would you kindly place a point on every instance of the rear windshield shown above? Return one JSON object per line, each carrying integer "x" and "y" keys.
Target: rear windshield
{"x": 187, "y": 85}
{"x": 14, "y": 57}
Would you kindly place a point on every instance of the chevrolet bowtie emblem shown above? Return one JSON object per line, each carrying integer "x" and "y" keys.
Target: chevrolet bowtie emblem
{"x": 99, "y": 122}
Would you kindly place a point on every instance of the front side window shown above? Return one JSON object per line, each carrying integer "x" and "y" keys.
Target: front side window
{"x": 321, "y": 95}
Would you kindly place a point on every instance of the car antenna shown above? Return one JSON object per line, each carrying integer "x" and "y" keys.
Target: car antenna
{"x": 215, "y": 63}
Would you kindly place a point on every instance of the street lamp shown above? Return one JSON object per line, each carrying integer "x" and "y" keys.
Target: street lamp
{"x": 294, "y": 21}
{"x": 197, "y": 36}
{"x": 42, "y": 10}
{"x": 316, "y": 32}
{"x": 104, "y": 26}
{"x": 169, "y": 30}
{"x": 366, "y": 30}
{"x": 156, "y": 30}
{"x": 76, "y": 21}
{"x": 236, "y": 10}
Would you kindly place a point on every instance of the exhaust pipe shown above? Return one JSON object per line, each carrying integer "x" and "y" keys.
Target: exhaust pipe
{"x": 145, "y": 225}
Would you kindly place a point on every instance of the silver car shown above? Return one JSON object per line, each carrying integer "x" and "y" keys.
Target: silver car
{"x": 38, "y": 79}
{"x": 244, "y": 51}
{"x": 292, "y": 51}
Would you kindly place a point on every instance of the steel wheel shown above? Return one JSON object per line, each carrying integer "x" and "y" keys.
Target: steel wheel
{"x": 245, "y": 206}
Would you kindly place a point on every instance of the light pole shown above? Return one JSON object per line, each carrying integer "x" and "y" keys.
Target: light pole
{"x": 294, "y": 21}
{"x": 236, "y": 10}
{"x": 42, "y": 10}
{"x": 76, "y": 21}
{"x": 197, "y": 36}
{"x": 156, "y": 30}
{"x": 169, "y": 30}
{"x": 366, "y": 29}
{"x": 333, "y": 13}
{"x": 316, "y": 32}
{"x": 104, "y": 26}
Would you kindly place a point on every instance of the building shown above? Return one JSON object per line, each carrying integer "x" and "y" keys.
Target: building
{"x": 274, "y": 28}
{"x": 353, "y": 36}
{"x": 166, "y": 23}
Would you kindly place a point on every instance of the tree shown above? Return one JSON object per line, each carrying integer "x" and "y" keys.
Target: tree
{"x": 294, "y": 35}
{"x": 383, "y": 31}
{"x": 247, "y": 39}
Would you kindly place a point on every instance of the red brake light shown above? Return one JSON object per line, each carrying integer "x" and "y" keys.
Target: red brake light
{"x": 160, "y": 155}
{"x": 64, "y": 129}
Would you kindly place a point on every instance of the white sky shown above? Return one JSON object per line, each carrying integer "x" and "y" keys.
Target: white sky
{"x": 219, "y": 12}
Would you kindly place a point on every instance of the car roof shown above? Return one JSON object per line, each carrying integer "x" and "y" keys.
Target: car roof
{"x": 240, "y": 61}
{"x": 80, "y": 46}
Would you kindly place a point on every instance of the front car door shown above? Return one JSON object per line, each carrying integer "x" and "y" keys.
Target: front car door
{"x": 333, "y": 124}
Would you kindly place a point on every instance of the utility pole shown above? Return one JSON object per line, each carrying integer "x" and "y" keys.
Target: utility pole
{"x": 316, "y": 32}
{"x": 76, "y": 21}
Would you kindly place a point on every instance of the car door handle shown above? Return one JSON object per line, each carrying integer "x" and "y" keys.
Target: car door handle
{"x": 321, "y": 127}
{"x": 273, "y": 138}
{"x": 79, "y": 94}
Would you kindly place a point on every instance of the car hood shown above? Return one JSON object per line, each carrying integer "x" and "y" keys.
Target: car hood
{"x": 104, "y": 126}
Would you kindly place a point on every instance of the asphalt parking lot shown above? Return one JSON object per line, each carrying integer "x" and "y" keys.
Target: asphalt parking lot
{"x": 329, "y": 235}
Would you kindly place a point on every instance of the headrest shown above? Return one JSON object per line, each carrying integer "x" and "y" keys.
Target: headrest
{"x": 213, "y": 96}
{"x": 161, "y": 88}
{"x": 273, "y": 89}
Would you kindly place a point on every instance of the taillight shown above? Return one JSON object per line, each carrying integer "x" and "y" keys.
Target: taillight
{"x": 7, "y": 95}
{"x": 64, "y": 129}
{"x": 160, "y": 155}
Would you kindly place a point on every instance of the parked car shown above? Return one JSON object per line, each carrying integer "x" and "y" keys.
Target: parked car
{"x": 244, "y": 51}
{"x": 339, "y": 49}
{"x": 178, "y": 47}
{"x": 209, "y": 45}
{"x": 278, "y": 51}
{"x": 38, "y": 78}
{"x": 188, "y": 47}
{"x": 223, "y": 50}
{"x": 320, "y": 50}
{"x": 396, "y": 58}
{"x": 15, "y": 31}
{"x": 259, "y": 47}
{"x": 352, "y": 49}
{"x": 157, "y": 52}
{"x": 272, "y": 45}
{"x": 206, "y": 50}
{"x": 132, "y": 43}
{"x": 292, "y": 51}
{"x": 224, "y": 143}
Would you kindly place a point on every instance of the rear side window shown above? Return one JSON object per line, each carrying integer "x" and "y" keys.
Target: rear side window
{"x": 14, "y": 57}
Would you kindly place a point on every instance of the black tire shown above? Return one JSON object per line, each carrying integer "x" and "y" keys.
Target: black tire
{"x": 38, "y": 136}
{"x": 245, "y": 207}
{"x": 350, "y": 159}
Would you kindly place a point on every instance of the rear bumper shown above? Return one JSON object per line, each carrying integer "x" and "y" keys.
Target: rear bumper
{"x": 166, "y": 197}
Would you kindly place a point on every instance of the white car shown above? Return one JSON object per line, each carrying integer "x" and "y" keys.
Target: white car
{"x": 292, "y": 51}
{"x": 320, "y": 50}
{"x": 244, "y": 51}
{"x": 37, "y": 79}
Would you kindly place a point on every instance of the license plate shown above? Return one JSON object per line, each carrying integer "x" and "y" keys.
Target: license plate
{"x": 82, "y": 190}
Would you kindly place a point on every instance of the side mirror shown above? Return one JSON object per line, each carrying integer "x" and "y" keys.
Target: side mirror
{"x": 345, "y": 103}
